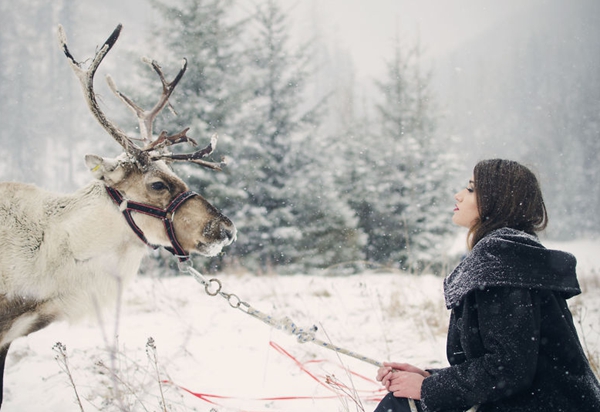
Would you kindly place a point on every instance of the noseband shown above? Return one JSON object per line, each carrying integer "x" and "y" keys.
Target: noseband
{"x": 166, "y": 215}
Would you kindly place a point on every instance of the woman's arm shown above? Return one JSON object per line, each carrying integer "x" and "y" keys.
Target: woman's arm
{"x": 508, "y": 329}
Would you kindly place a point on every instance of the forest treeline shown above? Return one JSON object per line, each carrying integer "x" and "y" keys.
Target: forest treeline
{"x": 304, "y": 195}
{"x": 319, "y": 176}
{"x": 305, "y": 192}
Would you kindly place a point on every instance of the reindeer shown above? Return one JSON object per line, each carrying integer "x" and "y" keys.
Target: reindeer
{"x": 64, "y": 256}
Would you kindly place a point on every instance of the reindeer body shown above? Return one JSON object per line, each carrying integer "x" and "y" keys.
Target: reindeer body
{"x": 65, "y": 256}
{"x": 62, "y": 255}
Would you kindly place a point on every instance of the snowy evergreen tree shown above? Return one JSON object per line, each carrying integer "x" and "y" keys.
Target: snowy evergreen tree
{"x": 330, "y": 234}
{"x": 250, "y": 88}
{"x": 203, "y": 32}
{"x": 290, "y": 214}
{"x": 209, "y": 97}
{"x": 210, "y": 94}
{"x": 399, "y": 183}
{"x": 427, "y": 216}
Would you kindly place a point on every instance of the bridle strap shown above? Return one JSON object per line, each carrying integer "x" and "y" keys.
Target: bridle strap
{"x": 166, "y": 215}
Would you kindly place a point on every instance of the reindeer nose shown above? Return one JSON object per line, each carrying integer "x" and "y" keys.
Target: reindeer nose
{"x": 228, "y": 231}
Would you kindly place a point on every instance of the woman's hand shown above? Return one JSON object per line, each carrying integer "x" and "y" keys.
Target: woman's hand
{"x": 402, "y": 379}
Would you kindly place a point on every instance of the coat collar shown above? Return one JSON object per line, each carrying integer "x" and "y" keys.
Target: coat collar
{"x": 509, "y": 257}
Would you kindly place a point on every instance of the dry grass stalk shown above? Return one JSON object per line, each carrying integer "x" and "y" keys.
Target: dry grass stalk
{"x": 63, "y": 362}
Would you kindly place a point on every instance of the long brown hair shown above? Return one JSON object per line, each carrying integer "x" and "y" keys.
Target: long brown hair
{"x": 508, "y": 195}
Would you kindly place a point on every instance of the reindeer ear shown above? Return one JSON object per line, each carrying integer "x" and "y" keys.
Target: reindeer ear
{"x": 108, "y": 170}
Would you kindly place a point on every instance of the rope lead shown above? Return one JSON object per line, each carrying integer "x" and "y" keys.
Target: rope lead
{"x": 213, "y": 287}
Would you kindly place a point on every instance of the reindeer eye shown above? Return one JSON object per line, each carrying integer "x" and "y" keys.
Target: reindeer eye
{"x": 158, "y": 186}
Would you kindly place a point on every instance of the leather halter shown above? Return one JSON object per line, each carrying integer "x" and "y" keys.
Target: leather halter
{"x": 166, "y": 215}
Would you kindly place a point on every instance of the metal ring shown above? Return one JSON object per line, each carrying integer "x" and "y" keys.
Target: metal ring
{"x": 234, "y": 301}
{"x": 208, "y": 285}
{"x": 185, "y": 265}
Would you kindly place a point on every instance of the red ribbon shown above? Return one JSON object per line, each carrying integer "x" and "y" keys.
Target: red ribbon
{"x": 374, "y": 395}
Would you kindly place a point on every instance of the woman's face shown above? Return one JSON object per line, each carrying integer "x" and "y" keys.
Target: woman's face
{"x": 465, "y": 210}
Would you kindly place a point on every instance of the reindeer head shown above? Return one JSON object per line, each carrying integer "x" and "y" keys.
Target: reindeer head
{"x": 141, "y": 181}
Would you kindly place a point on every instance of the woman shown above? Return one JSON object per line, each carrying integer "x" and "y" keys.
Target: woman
{"x": 511, "y": 344}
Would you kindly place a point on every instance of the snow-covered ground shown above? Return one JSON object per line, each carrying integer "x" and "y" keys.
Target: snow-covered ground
{"x": 205, "y": 346}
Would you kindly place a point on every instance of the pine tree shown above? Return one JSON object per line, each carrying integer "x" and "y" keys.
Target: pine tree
{"x": 210, "y": 94}
{"x": 209, "y": 97}
{"x": 400, "y": 178}
{"x": 431, "y": 171}
{"x": 271, "y": 143}
{"x": 290, "y": 215}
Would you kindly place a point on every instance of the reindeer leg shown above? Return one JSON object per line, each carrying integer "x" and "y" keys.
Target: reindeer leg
{"x": 3, "y": 353}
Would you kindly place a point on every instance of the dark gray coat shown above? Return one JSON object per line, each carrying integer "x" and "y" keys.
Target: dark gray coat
{"x": 512, "y": 345}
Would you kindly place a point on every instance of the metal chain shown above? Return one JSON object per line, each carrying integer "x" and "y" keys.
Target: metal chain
{"x": 213, "y": 287}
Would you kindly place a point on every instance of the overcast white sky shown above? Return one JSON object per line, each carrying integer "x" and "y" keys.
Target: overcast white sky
{"x": 366, "y": 28}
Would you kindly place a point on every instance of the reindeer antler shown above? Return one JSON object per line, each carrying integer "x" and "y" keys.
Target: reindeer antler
{"x": 153, "y": 149}
{"x": 146, "y": 119}
{"x": 195, "y": 157}
{"x": 86, "y": 78}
